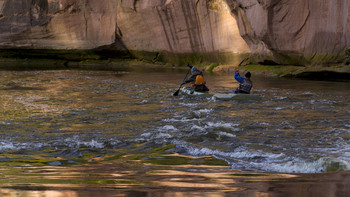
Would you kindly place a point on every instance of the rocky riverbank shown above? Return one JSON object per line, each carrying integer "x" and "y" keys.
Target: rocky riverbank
{"x": 104, "y": 60}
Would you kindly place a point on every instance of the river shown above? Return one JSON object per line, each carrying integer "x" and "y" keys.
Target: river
{"x": 54, "y": 118}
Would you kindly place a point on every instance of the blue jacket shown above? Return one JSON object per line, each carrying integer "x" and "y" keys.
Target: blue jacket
{"x": 239, "y": 78}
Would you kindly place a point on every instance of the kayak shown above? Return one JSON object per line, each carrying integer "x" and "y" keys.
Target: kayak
{"x": 238, "y": 97}
{"x": 225, "y": 97}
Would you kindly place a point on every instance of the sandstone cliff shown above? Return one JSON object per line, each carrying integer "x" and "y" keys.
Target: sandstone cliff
{"x": 296, "y": 30}
{"x": 57, "y": 24}
{"x": 179, "y": 31}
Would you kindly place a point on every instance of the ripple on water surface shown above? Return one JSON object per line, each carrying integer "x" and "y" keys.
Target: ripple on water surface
{"x": 72, "y": 113}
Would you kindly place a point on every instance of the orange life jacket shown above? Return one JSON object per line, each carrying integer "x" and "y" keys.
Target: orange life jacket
{"x": 199, "y": 80}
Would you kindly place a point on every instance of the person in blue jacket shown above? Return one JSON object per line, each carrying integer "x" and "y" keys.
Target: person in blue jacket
{"x": 245, "y": 84}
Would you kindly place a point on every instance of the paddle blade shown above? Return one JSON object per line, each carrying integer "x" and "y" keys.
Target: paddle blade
{"x": 176, "y": 93}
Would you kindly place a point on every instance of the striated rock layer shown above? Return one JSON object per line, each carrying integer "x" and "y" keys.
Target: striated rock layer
{"x": 294, "y": 30}
{"x": 57, "y": 24}
{"x": 179, "y": 31}
{"x": 203, "y": 29}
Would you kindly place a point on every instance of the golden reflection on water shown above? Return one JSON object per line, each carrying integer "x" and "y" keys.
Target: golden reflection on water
{"x": 116, "y": 177}
{"x": 183, "y": 179}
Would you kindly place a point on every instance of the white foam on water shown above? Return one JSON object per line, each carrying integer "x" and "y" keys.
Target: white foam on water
{"x": 226, "y": 134}
{"x": 264, "y": 124}
{"x": 346, "y": 153}
{"x": 93, "y": 144}
{"x": 240, "y": 154}
{"x": 146, "y": 135}
{"x": 289, "y": 167}
{"x": 307, "y": 93}
{"x": 160, "y": 133}
{"x": 163, "y": 136}
{"x": 311, "y": 102}
{"x": 188, "y": 104}
{"x": 4, "y": 123}
{"x": 232, "y": 126}
{"x": 278, "y": 108}
{"x": 157, "y": 135}
{"x": 183, "y": 119}
{"x": 269, "y": 162}
{"x": 6, "y": 146}
{"x": 143, "y": 101}
{"x": 327, "y": 101}
{"x": 203, "y": 111}
{"x": 170, "y": 128}
{"x": 75, "y": 142}
{"x": 209, "y": 125}
{"x": 300, "y": 166}
{"x": 281, "y": 98}
{"x": 196, "y": 127}
{"x": 170, "y": 120}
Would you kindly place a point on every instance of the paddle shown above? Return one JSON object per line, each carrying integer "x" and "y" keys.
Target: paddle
{"x": 177, "y": 92}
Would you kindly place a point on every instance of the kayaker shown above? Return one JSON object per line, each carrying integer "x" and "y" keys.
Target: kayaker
{"x": 245, "y": 84}
{"x": 197, "y": 80}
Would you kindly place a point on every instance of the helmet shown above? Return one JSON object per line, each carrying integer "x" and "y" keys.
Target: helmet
{"x": 248, "y": 75}
{"x": 193, "y": 69}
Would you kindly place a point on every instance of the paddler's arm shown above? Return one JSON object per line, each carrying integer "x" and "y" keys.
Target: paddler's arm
{"x": 192, "y": 78}
{"x": 238, "y": 78}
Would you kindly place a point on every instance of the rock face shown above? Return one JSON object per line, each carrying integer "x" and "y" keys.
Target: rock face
{"x": 309, "y": 30}
{"x": 179, "y": 26}
{"x": 224, "y": 31}
{"x": 57, "y": 24}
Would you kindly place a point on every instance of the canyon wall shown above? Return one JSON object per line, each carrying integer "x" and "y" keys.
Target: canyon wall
{"x": 310, "y": 31}
{"x": 57, "y": 24}
{"x": 179, "y": 31}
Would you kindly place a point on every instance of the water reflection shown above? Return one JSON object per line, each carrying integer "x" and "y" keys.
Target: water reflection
{"x": 163, "y": 181}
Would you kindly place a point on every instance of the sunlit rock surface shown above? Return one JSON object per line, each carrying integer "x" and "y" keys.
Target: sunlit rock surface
{"x": 57, "y": 24}
{"x": 316, "y": 30}
{"x": 179, "y": 27}
{"x": 283, "y": 31}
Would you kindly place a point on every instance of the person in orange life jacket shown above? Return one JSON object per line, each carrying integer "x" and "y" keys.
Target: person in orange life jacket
{"x": 245, "y": 84}
{"x": 197, "y": 80}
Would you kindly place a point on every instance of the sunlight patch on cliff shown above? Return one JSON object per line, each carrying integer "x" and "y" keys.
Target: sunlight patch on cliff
{"x": 227, "y": 28}
{"x": 215, "y": 5}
